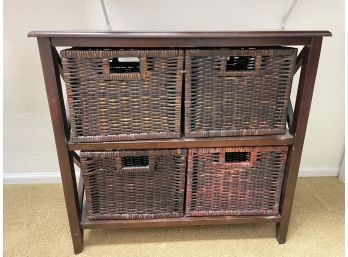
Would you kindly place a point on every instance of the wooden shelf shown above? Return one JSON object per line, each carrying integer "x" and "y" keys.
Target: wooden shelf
{"x": 173, "y": 222}
{"x": 286, "y": 139}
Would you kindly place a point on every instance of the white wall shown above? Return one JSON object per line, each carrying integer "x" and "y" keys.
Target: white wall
{"x": 28, "y": 139}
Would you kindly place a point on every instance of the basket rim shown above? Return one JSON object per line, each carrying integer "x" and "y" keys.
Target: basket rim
{"x": 113, "y": 154}
{"x": 262, "y": 51}
{"x": 282, "y": 148}
{"x": 97, "y": 53}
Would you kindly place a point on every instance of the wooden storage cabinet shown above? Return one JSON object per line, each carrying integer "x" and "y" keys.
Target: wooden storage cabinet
{"x": 242, "y": 174}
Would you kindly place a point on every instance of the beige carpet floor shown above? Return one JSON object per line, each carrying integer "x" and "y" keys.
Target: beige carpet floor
{"x": 35, "y": 224}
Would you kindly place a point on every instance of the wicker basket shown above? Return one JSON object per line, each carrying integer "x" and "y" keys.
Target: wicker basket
{"x": 237, "y": 92}
{"x": 134, "y": 184}
{"x": 120, "y": 94}
{"x": 235, "y": 181}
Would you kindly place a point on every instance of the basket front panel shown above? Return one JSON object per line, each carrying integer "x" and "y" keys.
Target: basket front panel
{"x": 128, "y": 109}
{"x": 114, "y": 194}
{"x": 218, "y": 104}
{"x": 219, "y": 188}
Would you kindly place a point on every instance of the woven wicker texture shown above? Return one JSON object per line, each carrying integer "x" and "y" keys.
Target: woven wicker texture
{"x": 110, "y": 100}
{"x": 134, "y": 184}
{"x": 235, "y": 181}
{"x": 237, "y": 92}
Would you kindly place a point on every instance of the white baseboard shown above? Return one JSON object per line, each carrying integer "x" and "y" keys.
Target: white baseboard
{"x": 54, "y": 177}
{"x": 34, "y": 178}
{"x": 319, "y": 171}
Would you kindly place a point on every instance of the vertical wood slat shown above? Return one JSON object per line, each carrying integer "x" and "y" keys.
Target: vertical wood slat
{"x": 311, "y": 56}
{"x": 80, "y": 193}
{"x": 290, "y": 117}
{"x": 59, "y": 123}
{"x": 81, "y": 184}
{"x": 76, "y": 159}
{"x": 59, "y": 62}
{"x": 299, "y": 60}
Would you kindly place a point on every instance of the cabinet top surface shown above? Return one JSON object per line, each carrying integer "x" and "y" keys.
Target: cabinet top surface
{"x": 201, "y": 34}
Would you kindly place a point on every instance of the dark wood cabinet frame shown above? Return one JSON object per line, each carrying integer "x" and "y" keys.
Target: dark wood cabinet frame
{"x": 297, "y": 119}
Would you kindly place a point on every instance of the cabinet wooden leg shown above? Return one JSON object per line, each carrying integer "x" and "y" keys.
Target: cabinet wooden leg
{"x": 60, "y": 128}
{"x": 310, "y": 55}
{"x": 281, "y": 232}
{"x": 77, "y": 239}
